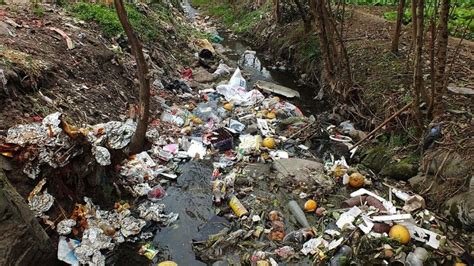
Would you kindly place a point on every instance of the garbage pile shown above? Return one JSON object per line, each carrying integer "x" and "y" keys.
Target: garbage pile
{"x": 299, "y": 210}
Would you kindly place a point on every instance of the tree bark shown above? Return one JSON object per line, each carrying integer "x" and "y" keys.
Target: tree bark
{"x": 441, "y": 56}
{"x": 23, "y": 241}
{"x": 413, "y": 21}
{"x": 305, "y": 17}
{"x": 276, "y": 10}
{"x": 418, "y": 85}
{"x": 398, "y": 27}
{"x": 138, "y": 140}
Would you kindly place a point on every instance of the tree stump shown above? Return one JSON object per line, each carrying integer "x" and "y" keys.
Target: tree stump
{"x": 22, "y": 239}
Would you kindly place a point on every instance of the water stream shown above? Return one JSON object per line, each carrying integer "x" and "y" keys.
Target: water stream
{"x": 191, "y": 196}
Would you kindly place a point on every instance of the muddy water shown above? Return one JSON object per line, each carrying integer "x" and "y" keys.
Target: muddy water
{"x": 191, "y": 197}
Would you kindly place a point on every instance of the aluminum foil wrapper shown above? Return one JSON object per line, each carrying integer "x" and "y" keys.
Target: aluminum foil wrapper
{"x": 64, "y": 227}
{"x": 41, "y": 203}
{"x": 93, "y": 240}
{"x": 141, "y": 189}
{"x": 102, "y": 155}
{"x": 52, "y": 124}
{"x": 140, "y": 168}
{"x": 26, "y": 134}
{"x": 131, "y": 226}
{"x": 152, "y": 211}
{"x": 119, "y": 134}
{"x": 153, "y": 134}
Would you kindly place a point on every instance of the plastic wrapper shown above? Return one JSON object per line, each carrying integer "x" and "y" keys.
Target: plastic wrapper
{"x": 102, "y": 155}
{"x": 151, "y": 211}
{"x": 250, "y": 143}
{"x": 197, "y": 149}
{"x": 314, "y": 246}
{"x": 66, "y": 247}
{"x": 156, "y": 193}
{"x": 64, "y": 227}
{"x": 346, "y": 219}
{"x": 222, "y": 70}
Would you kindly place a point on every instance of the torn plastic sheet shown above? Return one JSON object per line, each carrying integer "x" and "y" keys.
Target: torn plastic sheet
{"x": 139, "y": 167}
{"x": 277, "y": 155}
{"x": 367, "y": 226}
{"x": 428, "y": 237}
{"x": 197, "y": 149}
{"x": 335, "y": 243}
{"x": 66, "y": 248}
{"x": 236, "y": 126}
{"x": 346, "y": 219}
{"x": 64, "y": 227}
{"x": 264, "y": 127}
{"x": 313, "y": 246}
{"x": 250, "y": 143}
{"x": 102, "y": 155}
{"x": 151, "y": 211}
{"x": 239, "y": 96}
{"x": 387, "y": 204}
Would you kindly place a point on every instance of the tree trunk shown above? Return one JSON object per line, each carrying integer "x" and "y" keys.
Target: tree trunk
{"x": 418, "y": 73}
{"x": 328, "y": 70}
{"x": 138, "y": 140}
{"x": 22, "y": 241}
{"x": 305, "y": 17}
{"x": 413, "y": 21}
{"x": 276, "y": 10}
{"x": 441, "y": 55}
{"x": 398, "y": 27}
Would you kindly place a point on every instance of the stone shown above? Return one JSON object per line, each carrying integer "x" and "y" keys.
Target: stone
{"x": 376, "y": 159}
{"x": 399, "y": 170}
{"x": 300, "y": 170}
{"x": 454, "y": 166}
{"x": 201, "y": 75}
{"x": 460, "y": 208}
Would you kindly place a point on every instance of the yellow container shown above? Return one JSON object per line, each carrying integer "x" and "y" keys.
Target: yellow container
{"x": 237, "y": 206}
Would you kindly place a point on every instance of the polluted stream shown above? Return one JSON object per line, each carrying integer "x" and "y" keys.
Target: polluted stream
{"x": 191, "y": 197}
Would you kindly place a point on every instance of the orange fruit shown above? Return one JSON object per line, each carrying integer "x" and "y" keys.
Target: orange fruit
{"x": 356, "y": 180}
{"x": 228, "y": 106}
{"x": 310, "y": 205}
{"x": 269, "y": 143}
{"x": 399, "y": 233}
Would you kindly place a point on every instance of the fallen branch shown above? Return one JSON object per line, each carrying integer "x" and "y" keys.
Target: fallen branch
{"x": 381, "y": 125}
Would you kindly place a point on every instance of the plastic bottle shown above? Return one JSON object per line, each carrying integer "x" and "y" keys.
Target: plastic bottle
{"x": 417, "y": 257}
{"x": 342, "y": 257}
{"x": 237, "y": 206}
{"x": 298, "y": 213}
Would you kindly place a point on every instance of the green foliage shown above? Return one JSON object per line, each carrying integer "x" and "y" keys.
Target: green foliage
{"x": 460, "y": 19}
{"x": 38, "y": 11}
{"x": 107, "y": 19}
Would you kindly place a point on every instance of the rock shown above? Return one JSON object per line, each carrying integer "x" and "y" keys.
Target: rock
{"x": 201, "y": 75}
{"x": 5, "y": 164}
{"x": 454, "y": 166}
{"x": 400, "y": 170}
{"x": 417, "y": 181}
{"x": 301, "y": 170}
{"x": 460, "y": 208}
{"x": 4, "y": 29}
{"x": 376, "y": 158}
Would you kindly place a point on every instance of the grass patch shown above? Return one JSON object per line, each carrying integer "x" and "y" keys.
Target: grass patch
{"x": 107, "y": 19}
{"x": 38, "y": 11}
